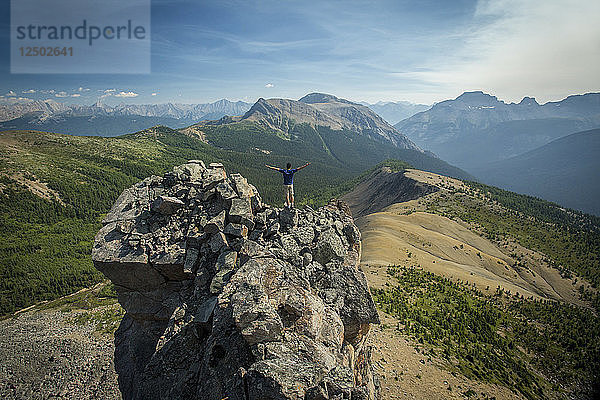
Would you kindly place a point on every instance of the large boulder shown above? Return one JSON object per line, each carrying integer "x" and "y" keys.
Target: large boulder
{"x": 228, "y": 298}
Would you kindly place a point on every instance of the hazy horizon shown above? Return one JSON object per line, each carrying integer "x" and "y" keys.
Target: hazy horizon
{"x": 113, "y": 102}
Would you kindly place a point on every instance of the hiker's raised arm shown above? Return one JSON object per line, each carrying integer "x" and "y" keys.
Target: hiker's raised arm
{"x": 305, "y": 165}
{"x": 273, "y": 168}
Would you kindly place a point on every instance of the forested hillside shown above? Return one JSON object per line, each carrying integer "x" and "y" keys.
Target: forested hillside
{"x": 537, "y": 349}
{"x": 338, "y": 148}
{"x": 55, "y": 188}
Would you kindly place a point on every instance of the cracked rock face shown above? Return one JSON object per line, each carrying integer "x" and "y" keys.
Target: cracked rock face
{"x": 228, "y": 298}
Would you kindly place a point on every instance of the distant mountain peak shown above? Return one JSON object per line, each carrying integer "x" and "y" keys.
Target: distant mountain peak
{"x": 74, "y": 118}
{"x": 474, "y": 93}
{"x": 313, "y": 98}
{"x": 529, "y": 101}
{"x": 319, "y": 109}
{"x": 477, "y": 96}
{"x": 262, "y": 107}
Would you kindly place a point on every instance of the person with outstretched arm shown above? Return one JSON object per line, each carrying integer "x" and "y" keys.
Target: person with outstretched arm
{"x": 288, "y": 181}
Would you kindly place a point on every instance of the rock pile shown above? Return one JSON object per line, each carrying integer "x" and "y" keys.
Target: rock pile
{"x": 228, "y": 298}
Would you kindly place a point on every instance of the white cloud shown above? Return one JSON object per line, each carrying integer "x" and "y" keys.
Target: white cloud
{"x": 76, "y": 95}
{"x": 269, "y": 85}
{"x": 126, "y": 94}
{"x": 29, "y": 91}
{"x": 106, "y": 92}
{"x": 113, "y": 92}
{"x": 544, "y": 49}
{"x": 61, "y": 94}
{"x": 11, "y": 93}
{"x": 154, "y": 94}
{"x": 82, "y": 89}
{"x": 14, "y": 100}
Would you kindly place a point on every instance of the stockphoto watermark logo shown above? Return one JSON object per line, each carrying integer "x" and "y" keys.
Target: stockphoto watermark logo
{"x": 80, "y": 36}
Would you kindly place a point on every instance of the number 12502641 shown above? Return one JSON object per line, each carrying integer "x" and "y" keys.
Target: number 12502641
{"x": 46, "y": 51}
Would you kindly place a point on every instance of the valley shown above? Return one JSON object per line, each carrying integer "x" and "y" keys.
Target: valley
{"x": 564, "y": 171}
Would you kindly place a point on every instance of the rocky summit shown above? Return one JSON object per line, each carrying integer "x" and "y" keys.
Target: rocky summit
{"x": 227, "y": 298}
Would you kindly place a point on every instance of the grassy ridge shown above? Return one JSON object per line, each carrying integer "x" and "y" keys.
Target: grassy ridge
{"x": 532, "y": 347}
{"x": 570, "y": 239}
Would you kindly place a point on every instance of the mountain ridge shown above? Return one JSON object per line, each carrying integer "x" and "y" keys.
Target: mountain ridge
{"x": 322, "y": 127}
{"x": 476, "y": 128}
{"x": 104, "y": 120}
{"x": 529, "y": 263}
{"x": 174, "y": 110}
{"x": 321, "y": 109}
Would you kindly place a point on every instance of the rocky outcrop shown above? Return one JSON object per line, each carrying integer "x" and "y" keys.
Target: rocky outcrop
{"x": 228, "y": 298}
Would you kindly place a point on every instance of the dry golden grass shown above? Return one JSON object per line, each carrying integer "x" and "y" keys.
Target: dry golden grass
{"x": 404, "y": 234}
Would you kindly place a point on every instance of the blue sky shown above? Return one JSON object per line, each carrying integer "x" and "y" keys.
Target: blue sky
{"x": 420, "y": 51}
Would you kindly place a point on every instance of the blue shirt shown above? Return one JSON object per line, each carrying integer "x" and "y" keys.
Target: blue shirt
{"x": 288, "y": 175}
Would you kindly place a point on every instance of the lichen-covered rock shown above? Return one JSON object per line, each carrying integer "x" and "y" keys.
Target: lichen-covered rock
{"x": 167, "y": 205}
{"x": 289, "y": 217}
{"x": 228, "y": 298}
